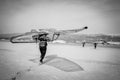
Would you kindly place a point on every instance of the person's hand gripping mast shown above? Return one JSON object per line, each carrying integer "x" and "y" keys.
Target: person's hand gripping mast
{"x": 55, "y": 36}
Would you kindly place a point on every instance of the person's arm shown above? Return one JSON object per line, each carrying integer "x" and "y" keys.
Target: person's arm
{"x": 48, "y": 39}
{"x": 57, "y": 35}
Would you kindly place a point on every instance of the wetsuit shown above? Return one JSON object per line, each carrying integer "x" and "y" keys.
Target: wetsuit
{"x": 42, "y": 47}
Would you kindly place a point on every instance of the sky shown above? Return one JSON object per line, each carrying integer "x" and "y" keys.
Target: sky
{"x": 101, "y": 16}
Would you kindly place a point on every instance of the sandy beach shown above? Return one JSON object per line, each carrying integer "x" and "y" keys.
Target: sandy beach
{"x": 62, "y": 62}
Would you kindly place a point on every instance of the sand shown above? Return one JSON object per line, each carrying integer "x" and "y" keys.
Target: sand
{"x": 62, "y": 62}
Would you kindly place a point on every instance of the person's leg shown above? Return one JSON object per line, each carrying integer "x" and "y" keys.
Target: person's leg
{"x": 43, "y": 52}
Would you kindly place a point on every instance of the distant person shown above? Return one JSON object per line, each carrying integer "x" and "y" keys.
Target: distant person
{"x": 95, "y": 45}
{"x": 43, "y": 45}
{"x": 83, "y": 43}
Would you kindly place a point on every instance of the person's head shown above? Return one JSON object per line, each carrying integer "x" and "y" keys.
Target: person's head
{"x": 43, "y": 35}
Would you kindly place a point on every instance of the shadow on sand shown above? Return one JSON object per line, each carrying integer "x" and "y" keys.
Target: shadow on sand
{"x": 59, "y": 63}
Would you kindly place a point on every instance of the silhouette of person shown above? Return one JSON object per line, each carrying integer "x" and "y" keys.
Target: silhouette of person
{"x": 95, "y": 45}
{"x": 83, "y": 43}
{"x": 43, "y": 45}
